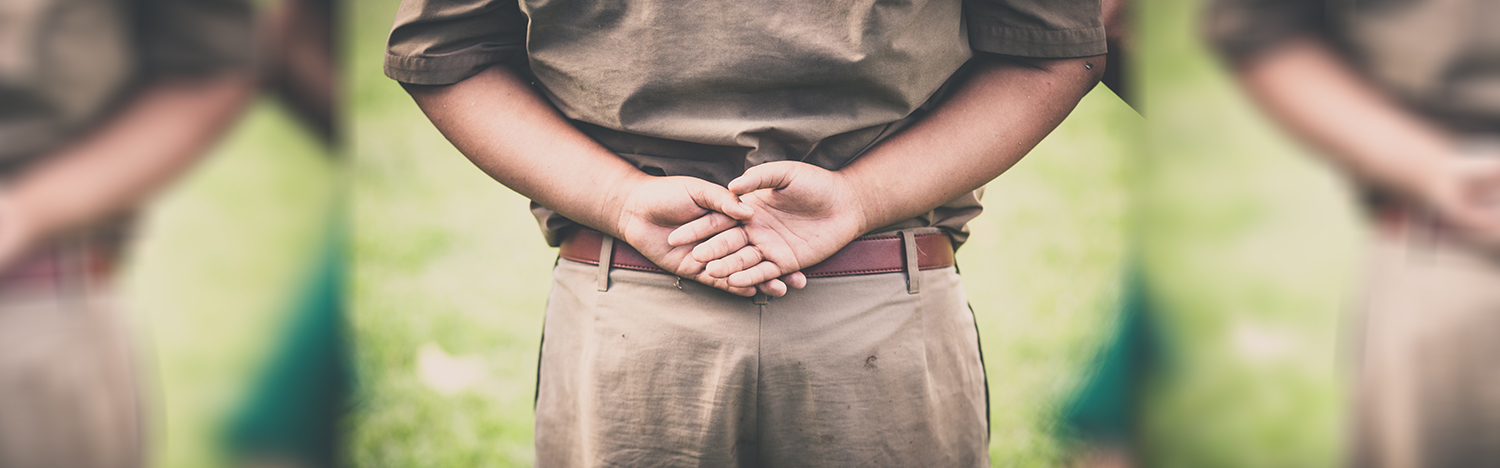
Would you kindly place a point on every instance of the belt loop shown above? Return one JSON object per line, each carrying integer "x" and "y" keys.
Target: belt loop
{"x": 913, "y": 270}
{"x": 606, "y": 257}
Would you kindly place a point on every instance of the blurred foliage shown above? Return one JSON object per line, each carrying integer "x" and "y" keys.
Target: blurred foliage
{"x": 1249, "y": 244}
{"x": 217, "y": 259}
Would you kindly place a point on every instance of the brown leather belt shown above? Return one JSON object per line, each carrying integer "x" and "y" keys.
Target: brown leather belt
{"x": 61, "y": 267}
{"x": 876, "y": 253}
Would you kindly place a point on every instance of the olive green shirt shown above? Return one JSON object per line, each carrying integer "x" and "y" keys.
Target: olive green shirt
{"x": 64, "y": 64}
{"x": 710, "y": 88}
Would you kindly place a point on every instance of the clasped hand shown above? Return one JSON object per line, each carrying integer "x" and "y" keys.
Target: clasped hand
{"x": 1464, "y": 193}
{"x": 757, "y": 235}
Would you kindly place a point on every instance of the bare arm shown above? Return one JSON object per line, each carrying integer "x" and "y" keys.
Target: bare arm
{"x": 513, "y": 134}
{"x": 998, "y": 116}
{"x": 804, "y": 214}
{"x": 1321, "y": 99}
{"x": 139, "y": 150}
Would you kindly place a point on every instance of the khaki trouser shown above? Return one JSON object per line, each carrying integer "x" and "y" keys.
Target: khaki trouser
{"x": 1428, "y": 388}
{"x": 851, "y": 371}
{"x": 68, "y": 393}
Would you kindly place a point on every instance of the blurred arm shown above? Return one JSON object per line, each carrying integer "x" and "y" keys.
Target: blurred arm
{"x": 1321, "y": 99}
{"x": 141, "y": 148}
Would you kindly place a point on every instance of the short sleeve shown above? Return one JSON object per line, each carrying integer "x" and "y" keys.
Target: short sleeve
{"x": 1036, "y": 28}
{"x": 438, "y": 42}
{"x": 194, "y": 36}
{"x": 1239, "y": 29}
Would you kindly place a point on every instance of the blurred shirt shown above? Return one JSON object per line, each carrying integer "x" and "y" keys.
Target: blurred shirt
{"x": 1439, "y": 58}
{"x": 64, "y": 64}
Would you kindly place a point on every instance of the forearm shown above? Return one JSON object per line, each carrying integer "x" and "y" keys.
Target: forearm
{"x": 507, "y": 129}
{"x": 998, "y": 115}
{"x": 154, "y": 138}
{"x": 1319, "y": 98}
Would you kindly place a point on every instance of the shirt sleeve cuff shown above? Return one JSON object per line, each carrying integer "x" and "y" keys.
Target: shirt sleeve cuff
{"x": 450, "y": 68}
{"x": 1037, "y": 43}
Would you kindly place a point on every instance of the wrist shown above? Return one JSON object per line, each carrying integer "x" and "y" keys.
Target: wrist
{"x": 867, "y": 200}
{"x": 617, "y": 210}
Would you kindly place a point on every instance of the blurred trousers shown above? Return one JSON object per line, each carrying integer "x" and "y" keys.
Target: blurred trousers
{"x": 850, "y": 371}
{"x": 1427, "y": 393}
{"x": 68, "y": 391}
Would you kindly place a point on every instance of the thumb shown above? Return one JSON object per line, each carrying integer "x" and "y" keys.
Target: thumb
{"x": 772, "y": 175}
{"x": 713, "y": 197}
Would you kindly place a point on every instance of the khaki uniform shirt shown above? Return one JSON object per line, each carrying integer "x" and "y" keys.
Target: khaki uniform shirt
{"x": 1440, "y": 58}
{"x": 708, "y": 89}
{"x": 65, "y": 63}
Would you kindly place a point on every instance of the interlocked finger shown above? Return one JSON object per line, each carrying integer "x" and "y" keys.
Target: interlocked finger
{"x": 795, "y": 280}
{"x": 689, "y": 267}
{"x": 721, "y": 245}
{"x": 723, "y": 284}
{"x": 746, "y": 257}
{"x": 701, "y": 228}
{"x": 773, "y": 288}
{"x": 773, "y": 175}
{"x": 738, "y": 291}
{"x": 760, "y": 273}
{"x": 715, "y": 198}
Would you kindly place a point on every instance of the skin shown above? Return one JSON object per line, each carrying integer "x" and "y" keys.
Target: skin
{"x": 154, "y": 138}
{"x": 1320, "y": 98}
{"x": 507, "y": 129}
{"x": 803, "y": 214}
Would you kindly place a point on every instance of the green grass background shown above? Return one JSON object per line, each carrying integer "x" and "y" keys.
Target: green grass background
{"x": 210, "y": 280}
{"x": 1250, "y": 245}
{"x": 445, "y": 256}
